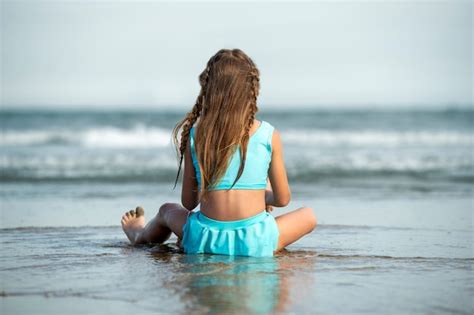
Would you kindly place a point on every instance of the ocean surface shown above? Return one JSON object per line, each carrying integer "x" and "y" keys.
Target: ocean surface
{"x": 392, "y": 189}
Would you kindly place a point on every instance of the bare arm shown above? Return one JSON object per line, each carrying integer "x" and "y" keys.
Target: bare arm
{"x": 279, "y": 194}
{"x": 189, "y": 191}
{"x": 268, "y": 197}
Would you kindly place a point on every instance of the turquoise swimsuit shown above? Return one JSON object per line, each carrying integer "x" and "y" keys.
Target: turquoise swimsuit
{"x": 253, "y": 236}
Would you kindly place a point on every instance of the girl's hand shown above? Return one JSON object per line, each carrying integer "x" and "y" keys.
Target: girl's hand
{"x": 268, "y": 197}
{"x": 268, "y": 200}
{"x": 269, "y": 208}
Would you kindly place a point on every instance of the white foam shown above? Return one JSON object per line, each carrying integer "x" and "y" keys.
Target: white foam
{"x": 138, "y": 137}
{"x": 379, "y": 161}
{"x": 151, "y": 137}
{"x": 106, "y": 137}
{"x": 379, "y": 138}
{"x": 142, "y": 163}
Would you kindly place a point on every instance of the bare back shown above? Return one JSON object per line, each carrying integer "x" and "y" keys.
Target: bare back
{"x": 234, "y": 204}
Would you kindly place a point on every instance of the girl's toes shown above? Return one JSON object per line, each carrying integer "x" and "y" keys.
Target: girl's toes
{"x": 132, "y": 213}
{"x": 139, "y": 211}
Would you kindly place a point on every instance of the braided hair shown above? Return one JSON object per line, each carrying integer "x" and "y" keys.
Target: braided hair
{"x": 254, "y": 80}
{"x": 226, "y": 105}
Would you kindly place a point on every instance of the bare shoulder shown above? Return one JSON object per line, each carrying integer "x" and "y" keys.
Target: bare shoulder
{"x": 276, "y": 141}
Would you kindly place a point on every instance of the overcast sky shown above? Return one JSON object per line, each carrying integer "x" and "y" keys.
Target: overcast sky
{"x": 149, "y": 54}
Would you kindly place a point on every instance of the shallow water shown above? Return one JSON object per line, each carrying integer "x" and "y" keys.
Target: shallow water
{"x": 336, "y": 269}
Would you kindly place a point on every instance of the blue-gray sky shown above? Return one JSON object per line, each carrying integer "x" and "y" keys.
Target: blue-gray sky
{"x": 149, "y": 54}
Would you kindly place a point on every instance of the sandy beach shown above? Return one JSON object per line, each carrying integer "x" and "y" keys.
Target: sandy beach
{"x": 338, "y": 268}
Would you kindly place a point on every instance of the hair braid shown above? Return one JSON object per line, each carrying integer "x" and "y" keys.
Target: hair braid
{"x": 186, "y": 125}
{"x": 254, "y": 88}
{"x": 188, "y": 122}
{"x": 226, "y": 107}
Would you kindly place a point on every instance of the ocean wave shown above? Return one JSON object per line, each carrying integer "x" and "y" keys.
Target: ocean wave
{"x": 376, "y": 138}
{"x": 296, "y": 162}
{"x": 167, "y": 174}
{"x": 104, "y": 137}
{"x": 142, "y": 136}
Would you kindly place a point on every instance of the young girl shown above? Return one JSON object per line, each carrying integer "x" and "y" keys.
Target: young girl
{"x": 229, "y": 156}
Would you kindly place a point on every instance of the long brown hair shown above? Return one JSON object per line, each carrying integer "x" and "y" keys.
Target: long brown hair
{"x": 226, "y": 108}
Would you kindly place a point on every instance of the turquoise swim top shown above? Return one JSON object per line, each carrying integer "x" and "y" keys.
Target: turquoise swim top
{"x": 255, "y": 173}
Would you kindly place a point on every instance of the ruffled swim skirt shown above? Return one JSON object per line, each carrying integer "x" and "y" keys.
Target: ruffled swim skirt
{"x": 255, "y": 236}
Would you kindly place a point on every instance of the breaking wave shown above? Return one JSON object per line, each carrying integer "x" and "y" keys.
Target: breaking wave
{"x": 142, "y": 136}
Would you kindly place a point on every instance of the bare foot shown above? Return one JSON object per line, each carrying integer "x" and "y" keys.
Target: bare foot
{"x": 133, "y": 223}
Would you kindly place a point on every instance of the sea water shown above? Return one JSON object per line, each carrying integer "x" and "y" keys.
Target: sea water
{"x": 392, "y": 189}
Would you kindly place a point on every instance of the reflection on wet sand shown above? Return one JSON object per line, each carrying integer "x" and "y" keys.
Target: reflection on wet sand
{"x": 226, "y": 284}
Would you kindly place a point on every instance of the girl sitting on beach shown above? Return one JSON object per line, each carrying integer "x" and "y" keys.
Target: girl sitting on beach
{"x": 229, "y": 156}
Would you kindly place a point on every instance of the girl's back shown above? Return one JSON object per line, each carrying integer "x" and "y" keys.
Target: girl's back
{"x": 247, "y": 197}
{"x": 219, "y": 133}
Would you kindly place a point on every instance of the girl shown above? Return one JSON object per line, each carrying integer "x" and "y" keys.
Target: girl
{"x": 229, "y": 156}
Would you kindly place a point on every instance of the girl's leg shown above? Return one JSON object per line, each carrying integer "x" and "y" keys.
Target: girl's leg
{"x": 294, "y": 225}
{"x": 170, "y": 218}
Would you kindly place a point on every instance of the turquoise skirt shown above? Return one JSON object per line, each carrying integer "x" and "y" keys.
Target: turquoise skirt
{"x": 255, "y": 236}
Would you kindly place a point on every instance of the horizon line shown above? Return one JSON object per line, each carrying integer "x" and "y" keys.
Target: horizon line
{"x": 262, "y": 108}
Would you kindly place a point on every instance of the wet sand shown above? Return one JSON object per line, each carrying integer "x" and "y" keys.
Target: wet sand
{"x": 337, "y": 269}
